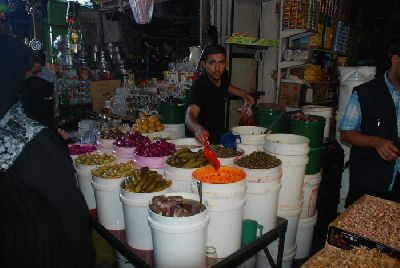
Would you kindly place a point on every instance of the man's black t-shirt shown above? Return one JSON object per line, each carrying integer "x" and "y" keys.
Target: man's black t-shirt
{"x": 211, "y": 100}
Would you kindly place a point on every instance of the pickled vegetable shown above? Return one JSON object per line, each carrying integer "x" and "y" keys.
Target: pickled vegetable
{"x": 222, "y": 176}
{"x": 174, "y": 206}
{"x": 224, "y": 152}
{"x": 94, "y": 159}
{"x": 185, "y": 158}
{"x": 258, "y": 160}
{"x": 113, "y": 171}
{"x": 145, "y": 180}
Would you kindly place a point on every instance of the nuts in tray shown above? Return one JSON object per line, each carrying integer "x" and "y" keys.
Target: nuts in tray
{"x": 355, "y": 258}
{"x": 375, "y": 219}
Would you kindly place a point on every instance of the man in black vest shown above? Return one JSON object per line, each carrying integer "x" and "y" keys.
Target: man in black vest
{"x": 371, "y": 125}
{"x": 205, "y": 116}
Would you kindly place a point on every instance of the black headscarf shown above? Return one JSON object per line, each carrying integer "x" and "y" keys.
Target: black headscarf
{"x": 15, "y": 60}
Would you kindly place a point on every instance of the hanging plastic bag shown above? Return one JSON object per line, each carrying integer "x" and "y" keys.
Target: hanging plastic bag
{"x": 142, "y": 10}
{"x": 246, "y": 115}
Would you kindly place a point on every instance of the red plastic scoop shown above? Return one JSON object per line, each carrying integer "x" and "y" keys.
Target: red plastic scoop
{"x": 210, "y": 156}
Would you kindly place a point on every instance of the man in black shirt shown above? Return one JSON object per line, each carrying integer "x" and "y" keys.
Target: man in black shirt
{"x": 205, "y": 116}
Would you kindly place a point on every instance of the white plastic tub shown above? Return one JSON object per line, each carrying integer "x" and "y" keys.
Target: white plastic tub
{"x": 181, "y": 178}
{"x": 109, "y": 207}
{"x": 304, "y": 236}
{"x": 249, "y": 148}
{"x": 156, "y": 162}
{"x": 250, "y": 134}
{"x": 225, "y": 203}
{"x": 229, "y": 161}
{"x": 292, "y": 150}
{"x": 190, "y": 143}
{"x": 310, "y": 194}
{"x": 84, "y": 177}
{"x": 179, "y": 241}
{"x": 135, "y": 208}
{"x": 323, "y": 111}
{"x": 124, "y": 152}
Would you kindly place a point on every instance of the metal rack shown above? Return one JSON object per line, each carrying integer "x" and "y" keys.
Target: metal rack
{"x": 145, "y": 258}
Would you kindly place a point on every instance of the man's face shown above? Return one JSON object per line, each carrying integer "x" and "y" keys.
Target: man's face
{"x": 215, "y": 66}
{"x": 37, "y": 67}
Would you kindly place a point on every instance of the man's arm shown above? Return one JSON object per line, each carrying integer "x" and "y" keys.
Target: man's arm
{"x": 242, "y": 94}
{"x": 384, "y": 147}
{"x": 199, "y": 131}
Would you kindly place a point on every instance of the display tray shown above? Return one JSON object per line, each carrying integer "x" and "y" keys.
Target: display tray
{"x": 348, "y": 239}
{"x": 142, "y": 258}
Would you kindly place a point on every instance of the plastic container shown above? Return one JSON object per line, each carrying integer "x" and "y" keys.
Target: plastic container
{"x": 84, "y": 177}
{"x": 323, "y": 111}
{"x": 287, "y": 260}
{"x": 310, "y": 194}
{"x": 190, "y": 143}
{"x": 262, "y": 203}
{"x": 292, "y": 214}
{"x": 314, "y": 160}
{"x": 314, "y": 131}
{"x": 349, "y": 78}
{"x": 226, "y": 204}
{"x": 135, "y": 208}
{"x": 250, "y": 135}
{"x": 181, "y": 178}
{"x": 124, "y": 152}
{"x": 249, "y": 148}
{"x": 304, "y": 236}
{"x": 172, "y": 113}
{"x": 229, "y": 161}
{"x": 262, "y": 175}
{"x": 265, "y": 117}
{"x": 109, "y": 207}
{"x": 292, "y": 150}
{"x": 105, "y": 143}
{"x": 156, "y": 162}
{"x": 177, "y": 130}
{"x": 180, "y": 241}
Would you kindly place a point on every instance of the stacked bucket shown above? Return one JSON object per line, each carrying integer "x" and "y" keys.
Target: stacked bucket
{"x": 173, "y": 118}
{"x": 252, "y": 138}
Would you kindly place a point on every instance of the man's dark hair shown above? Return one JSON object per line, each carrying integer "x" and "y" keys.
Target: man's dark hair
{"x": 393, "y": 47}
{"x": 40, "y": 57}
{"x": 212, "y": 49}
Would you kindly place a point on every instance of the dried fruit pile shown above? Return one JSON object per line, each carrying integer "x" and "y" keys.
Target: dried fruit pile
{"x": 94, "y": 159}
{"x": 224, "y": 152}
{"x": 258, "y": 160}
{"x": 355, "y": 258}
{"x": 185, "y": 158}
{"x": 374, "y": 218}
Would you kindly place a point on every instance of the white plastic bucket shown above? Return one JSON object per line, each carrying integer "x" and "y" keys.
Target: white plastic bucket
{"x": 157, "y": 162}
{"x": 250, "y": 134}
{"x": 124, "y": 152}
{"x": 292, "y": 215}
{"x": 225, "y": 204}
{"x": 323, "y": 111}
{"x": 292, "y": 150}
{"x": 135, "y": 208}
{"x": 177, "y": 130}
{"x": 262, "y": 203}
{"x": 179, "y": 241}
{"x": 350, "y": 77}
{"x": 181, "y": 178}
{"x": 304, "y": 236}
{"x": 84, "y": 178}
{"x": 105, "y": 143}
{"x": 310, "y": 194}
{"x": 287, "y": 260}
{"x": 262, "y": 175}
{"x": 249, "y": 148}
{"x": 109, "y": 207}
{"x": 190, "y": 143}
{"x": 229, "y": 161}
{"x": 123, "y": 262}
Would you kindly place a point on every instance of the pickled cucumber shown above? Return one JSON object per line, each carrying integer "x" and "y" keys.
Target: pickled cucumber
{"x": 185, "y": 158}
{"x": 94, "y": 159}
{"x": 145, "y": 180}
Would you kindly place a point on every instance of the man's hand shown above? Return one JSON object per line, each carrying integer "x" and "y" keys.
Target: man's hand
{"x": 201, "y": 135}
{"x": 386, "y": 149}
{"x": 248, "y": 98}
{"x": 63, "y": 134}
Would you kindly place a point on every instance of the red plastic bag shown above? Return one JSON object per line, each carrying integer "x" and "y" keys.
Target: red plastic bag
{"x": 246, "y": 115}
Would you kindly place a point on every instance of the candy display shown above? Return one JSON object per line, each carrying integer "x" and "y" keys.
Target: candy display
{"x": 145, "y": 180}
{"x": 185, "y": 158}
{"x": 360, "y": 257}
{"x": 222, "y": 176}
{"x": 174, "y": 206}
{"x": 303, "y": 117}
{"x": 224, "y": 152}
{"x": 94, "y": 159}
{"x": 258, "y": 160}
{"x": 148, "y": 124}
{"x": 131, "y": 139}
{"x": 78, "y": 149}
{"x": 113, "y": 171}
{"x": 155, "y": 149}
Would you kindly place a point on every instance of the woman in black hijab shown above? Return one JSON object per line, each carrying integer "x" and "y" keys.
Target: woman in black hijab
{"x": 44, "y": 221}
